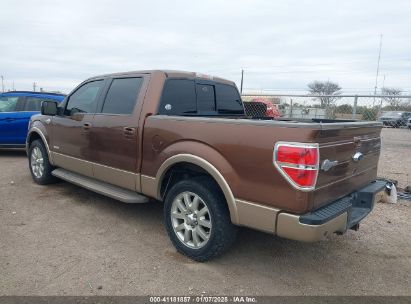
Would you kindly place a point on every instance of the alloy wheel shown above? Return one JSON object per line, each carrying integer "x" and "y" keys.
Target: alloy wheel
{"x": 191, "y": 220}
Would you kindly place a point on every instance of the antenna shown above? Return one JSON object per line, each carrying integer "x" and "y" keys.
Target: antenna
{"x": 383, "y": 86}
{"x": 378, "y": 70}
{"x": 242, "y": 78}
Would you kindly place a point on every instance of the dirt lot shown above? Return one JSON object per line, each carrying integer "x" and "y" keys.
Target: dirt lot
{"x": 64, "y": 240}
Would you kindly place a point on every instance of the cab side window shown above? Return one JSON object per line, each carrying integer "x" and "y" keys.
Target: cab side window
{"x": 84, "y": 99}
{"x": 33, "y": 104}
{"x": 8, "y": 103}
{"x": 122, "y": 96}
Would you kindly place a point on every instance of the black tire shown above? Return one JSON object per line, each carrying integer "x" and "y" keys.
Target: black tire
{"x": 46, "y": 177}
{"x": 222, "y": 234}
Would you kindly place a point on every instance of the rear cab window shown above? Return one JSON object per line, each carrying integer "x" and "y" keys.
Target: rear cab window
{"x": 228, "y": 99}
{"x": 200, "y": 98}
{"x": 179, "y": 97}
{"x": 206, "y": 99}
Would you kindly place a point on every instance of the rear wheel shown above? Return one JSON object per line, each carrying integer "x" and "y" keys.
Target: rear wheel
{"x": 197, "y": 219}
{"x": 39, "y": 164}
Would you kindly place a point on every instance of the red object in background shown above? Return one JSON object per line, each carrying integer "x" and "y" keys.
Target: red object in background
{"x": 272, "y": 110}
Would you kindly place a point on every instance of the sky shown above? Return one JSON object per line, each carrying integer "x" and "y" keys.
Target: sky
{"x": 281, "y": 45}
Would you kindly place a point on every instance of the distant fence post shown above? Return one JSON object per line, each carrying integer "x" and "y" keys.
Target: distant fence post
{"x": 291, "y": 107}
{"x": 354, "y": 108}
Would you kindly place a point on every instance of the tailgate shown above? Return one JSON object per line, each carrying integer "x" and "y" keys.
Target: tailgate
{"x": 340, "y": 171}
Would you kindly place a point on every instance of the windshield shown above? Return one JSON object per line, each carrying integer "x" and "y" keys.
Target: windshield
{"x": 391, "y": 114}
{"x": 8, "y": 103}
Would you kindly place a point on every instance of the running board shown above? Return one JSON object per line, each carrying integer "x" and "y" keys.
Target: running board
{"x": 121, "y": 194}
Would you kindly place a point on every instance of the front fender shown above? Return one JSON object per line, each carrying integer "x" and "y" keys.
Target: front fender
{"x": 38, "y": 129}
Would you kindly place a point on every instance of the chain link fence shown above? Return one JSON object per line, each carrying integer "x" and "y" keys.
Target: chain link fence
{"x": 392, "y": 110}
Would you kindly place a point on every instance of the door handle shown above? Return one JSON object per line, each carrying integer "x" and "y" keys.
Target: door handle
{"x": 129, "y": 131}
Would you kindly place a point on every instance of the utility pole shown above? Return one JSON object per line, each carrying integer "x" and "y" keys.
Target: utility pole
{"x": 2, "y": 84}
{"x": 34, "y": 86}
{"x": 378, "y": 69}
{"x": 242, "y": 79}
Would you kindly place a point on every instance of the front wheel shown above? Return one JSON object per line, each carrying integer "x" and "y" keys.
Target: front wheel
{"x": 39, "y": 164}
{"x": 198, "y": 220}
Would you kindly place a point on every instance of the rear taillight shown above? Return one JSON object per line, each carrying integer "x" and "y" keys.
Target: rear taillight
{"x": 298, "y": 163}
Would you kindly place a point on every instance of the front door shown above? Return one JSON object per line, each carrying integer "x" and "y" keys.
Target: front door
{"x": 115, "y": 136}
{"x": 70, "y": 140}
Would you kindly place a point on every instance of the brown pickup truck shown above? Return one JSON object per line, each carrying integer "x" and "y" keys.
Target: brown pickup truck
{"x": 184, "y": 139}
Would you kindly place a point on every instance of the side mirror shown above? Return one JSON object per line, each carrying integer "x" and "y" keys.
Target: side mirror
{"x": 49, "y": 107}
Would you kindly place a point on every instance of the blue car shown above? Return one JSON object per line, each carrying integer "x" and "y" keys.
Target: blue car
{"x": 16, "y": 108}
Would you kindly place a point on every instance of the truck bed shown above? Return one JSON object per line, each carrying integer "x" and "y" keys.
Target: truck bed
{"x": 242, "y": 149}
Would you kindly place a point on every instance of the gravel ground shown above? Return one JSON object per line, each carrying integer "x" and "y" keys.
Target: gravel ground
{"x": 64, "y": 240}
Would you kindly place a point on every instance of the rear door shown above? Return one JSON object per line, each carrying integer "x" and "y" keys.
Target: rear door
{"x": 9, "y": 120}
{"x": 115, "y": 136}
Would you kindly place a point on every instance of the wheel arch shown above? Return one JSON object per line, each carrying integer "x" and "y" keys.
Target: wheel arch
{"x": 204, "y": 166}
{"x": 34, "y": 134}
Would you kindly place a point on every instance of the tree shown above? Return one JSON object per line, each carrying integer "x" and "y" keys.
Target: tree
{"x": 325, "y": 90}
{"x": 392, "y": 96}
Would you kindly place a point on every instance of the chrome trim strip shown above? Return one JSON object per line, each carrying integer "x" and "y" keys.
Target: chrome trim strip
{"x": 347, "y": 177}
{"x": 339, "y": 143}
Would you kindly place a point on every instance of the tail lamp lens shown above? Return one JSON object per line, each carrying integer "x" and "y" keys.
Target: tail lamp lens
{"x": 298, "y": 163}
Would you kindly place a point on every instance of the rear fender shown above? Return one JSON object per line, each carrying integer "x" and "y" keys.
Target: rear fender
{"x": 207, "y": 158}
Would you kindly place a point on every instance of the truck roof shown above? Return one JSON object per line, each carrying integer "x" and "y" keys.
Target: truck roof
{"x": 32, "y": 93}
{"x": 170, "y": 73}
